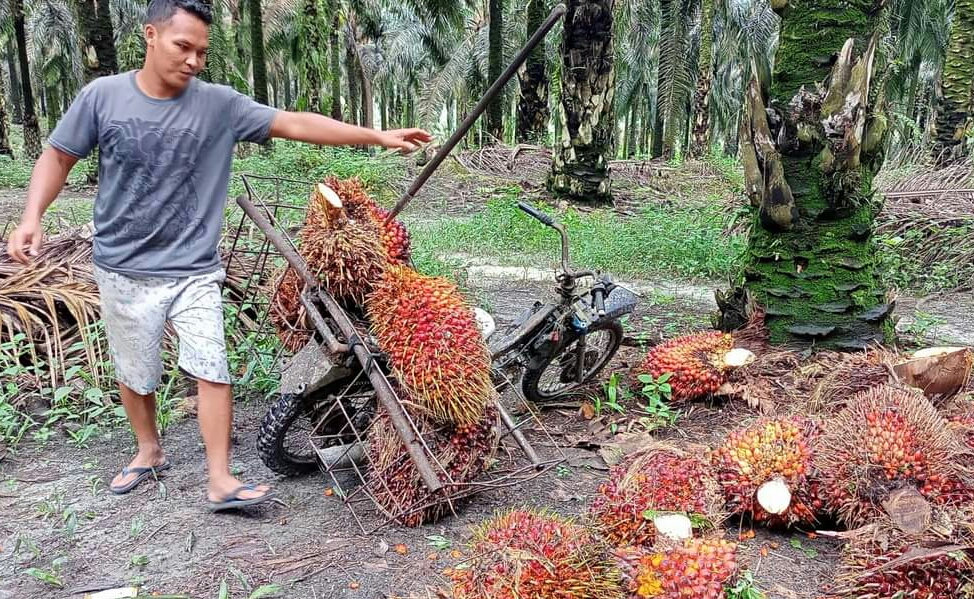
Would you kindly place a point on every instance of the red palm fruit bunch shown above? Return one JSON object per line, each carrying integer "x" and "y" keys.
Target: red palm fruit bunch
{"x": 522, "y": 554}
{"x": 344, "y": 253}
{"x": 886, "y": 438}
{"x": 885, "y": 563}
{"x": 766, "y": 470}
{"x": 698, "y": 364}
{"x": 395, "y": 484}
{"x": 435, "y": 347}
{"x": 658, "y": 480}
{"x": 697, "y": 568}
{"x": 287, "y": 313}
{"x": 394, "y": 236}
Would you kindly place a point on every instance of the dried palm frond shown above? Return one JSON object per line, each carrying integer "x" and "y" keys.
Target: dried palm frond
{"x": 53, "y": 302}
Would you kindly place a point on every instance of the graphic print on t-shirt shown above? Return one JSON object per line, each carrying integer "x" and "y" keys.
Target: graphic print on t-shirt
{"x": 159, "y": 165}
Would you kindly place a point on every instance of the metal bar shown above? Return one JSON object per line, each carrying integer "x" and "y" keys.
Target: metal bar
{"x": 333, "y": 344}
{"x": 519, "y": 436}
{"x": 556, "y": 13}
{"x": 384, "y": 392}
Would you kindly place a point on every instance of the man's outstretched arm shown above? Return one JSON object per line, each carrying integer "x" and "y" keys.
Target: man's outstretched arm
{"x": 320, "y": 130}
{"x": 46, "y": 181}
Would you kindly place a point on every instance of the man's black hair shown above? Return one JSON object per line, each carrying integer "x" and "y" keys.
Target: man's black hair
{"x": 161, "y": 11}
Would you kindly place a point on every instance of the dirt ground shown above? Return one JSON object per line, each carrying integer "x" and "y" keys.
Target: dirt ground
{"x": 59, "y": 518}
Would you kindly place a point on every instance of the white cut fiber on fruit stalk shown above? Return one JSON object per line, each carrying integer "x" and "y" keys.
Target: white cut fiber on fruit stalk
{"x": 774, "y": 496}
{"x": 674, "y": 526}
{"x": 330, "y": 195}
{"x": 738, "y": 357}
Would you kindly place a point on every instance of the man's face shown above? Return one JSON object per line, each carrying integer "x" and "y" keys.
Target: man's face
{"x": 176, "y": 50}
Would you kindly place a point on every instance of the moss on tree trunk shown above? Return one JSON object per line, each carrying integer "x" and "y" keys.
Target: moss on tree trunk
{"x": 809, "y": 168}
{"x": 312, "y": 55}
{"x": 954, "y": 110}
{"x": 580, "y": 169}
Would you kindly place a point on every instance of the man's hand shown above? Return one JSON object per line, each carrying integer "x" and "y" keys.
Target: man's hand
{"x": 406, "y": 140}
{"x": 321, "y": 130}
{"x": 26, "y": 238}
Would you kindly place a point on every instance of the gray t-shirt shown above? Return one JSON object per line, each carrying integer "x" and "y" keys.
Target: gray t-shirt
{"x": 163, "y": 170}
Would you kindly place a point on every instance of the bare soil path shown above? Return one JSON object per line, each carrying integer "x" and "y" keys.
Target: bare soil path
{"x": 59, "y": 518}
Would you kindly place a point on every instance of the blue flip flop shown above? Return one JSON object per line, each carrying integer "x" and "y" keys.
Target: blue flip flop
{"x": 231, "y": 501}
{"x": 143, "y": 473}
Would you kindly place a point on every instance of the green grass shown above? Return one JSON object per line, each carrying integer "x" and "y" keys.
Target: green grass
{"x": 659, "y": 241}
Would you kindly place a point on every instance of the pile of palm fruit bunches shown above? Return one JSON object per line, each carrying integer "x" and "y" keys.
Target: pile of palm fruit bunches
{"x": 887, "y": 469}
{"x": 439, "y": 362}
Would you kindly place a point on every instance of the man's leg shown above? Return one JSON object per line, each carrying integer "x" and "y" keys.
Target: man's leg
{"x": 216, "y": 420}
{"x": 197, "y": 315}
{"x": 134, "y": 313}
{"x": 141, "y": 412}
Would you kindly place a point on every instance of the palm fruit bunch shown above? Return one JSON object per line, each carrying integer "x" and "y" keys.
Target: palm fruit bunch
{"x": 287, "y": 313}
{"x": 697, "y": 568}
{"x": 886, "y": 438}
{"x": 393, "y": 481}
{"x": 435, "y": 347}
{"x": 394, "y": 236}
{"x": 943, "y": 576}
{"x": 343, "y": 252}
{"x": 896, "y": 568}
{"x": 698, "y": 363}
{"x": 766, "y": 470}
{"x": 522, "y": 554}
{"x": 648, "y": 489}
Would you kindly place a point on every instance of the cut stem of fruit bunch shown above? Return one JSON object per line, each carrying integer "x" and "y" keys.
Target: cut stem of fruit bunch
{"x": 434, "y": 345}
{"x": 698, "y": 363}
{"x": 888, "y": 438}
{"x": 766, "y": 470}
{"x": 637, "y": 504}
{"x": 523, "y": 554}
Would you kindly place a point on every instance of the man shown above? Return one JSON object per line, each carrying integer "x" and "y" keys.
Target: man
{"x": 166, "y": 141}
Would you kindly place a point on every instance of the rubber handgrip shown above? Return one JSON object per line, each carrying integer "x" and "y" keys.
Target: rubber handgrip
{"x": 535, "y": 213}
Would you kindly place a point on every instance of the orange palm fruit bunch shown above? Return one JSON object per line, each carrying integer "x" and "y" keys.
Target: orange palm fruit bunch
{"x": 767, "y": 470}
{"x": 698, "y": 364}
{"x": 522, "y": 554}
{"x": 652, "y": 484}
{"x": 697, "y": 568}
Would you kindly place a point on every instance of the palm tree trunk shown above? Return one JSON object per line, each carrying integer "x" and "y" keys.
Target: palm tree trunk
{"x": 495, "y": 60}
{"x": 367, "y": 99}
{"x": 98, "y": 38}
{"x": 15, "y": 90}
{"x": 5, "y": 148}
{"x": 532, "y": 122}
{"x": 811, "y": 255}
{"x": 954, "y": 111}
{"x": 580, "y": 168}
{"x": 354, "y": 95}
{"x": 32, "y": 131}
{"x": 336, "y": 68}
{"x": 313, "y": 54}
{"x": 701, "y": 100}
{"x": 632, "y": 139}
{"x": 257, "y": 51}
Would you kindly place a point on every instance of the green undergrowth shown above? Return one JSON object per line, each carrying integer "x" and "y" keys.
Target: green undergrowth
{"x": 658, "y": 241}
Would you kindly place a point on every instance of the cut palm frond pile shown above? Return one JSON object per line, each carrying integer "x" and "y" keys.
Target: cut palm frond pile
{"x": 929, "y": 215}
{"x": 49, "y": 307}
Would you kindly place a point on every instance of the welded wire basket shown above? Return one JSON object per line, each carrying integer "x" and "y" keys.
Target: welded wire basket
{"x": 346, "y": 429}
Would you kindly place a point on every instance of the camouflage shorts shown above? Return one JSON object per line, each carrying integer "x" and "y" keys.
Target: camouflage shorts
{"x": 135, "y": 312}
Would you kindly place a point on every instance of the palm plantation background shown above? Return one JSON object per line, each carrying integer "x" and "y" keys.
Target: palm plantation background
{"x": 680, "y": 66}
